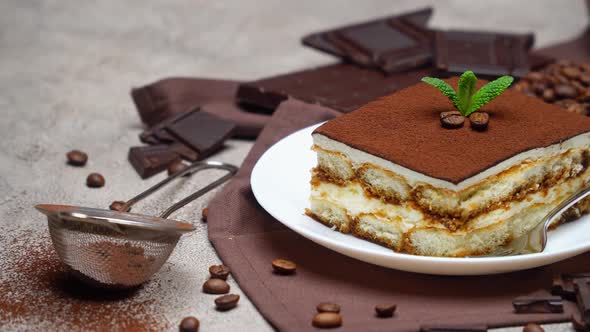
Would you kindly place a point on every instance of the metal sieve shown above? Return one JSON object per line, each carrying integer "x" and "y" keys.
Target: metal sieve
{"x": 120, "y": 249}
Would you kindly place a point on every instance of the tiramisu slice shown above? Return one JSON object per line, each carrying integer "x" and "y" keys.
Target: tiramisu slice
{"x": 389, "y": 172}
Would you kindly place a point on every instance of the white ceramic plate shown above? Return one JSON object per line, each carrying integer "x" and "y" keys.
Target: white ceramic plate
{"x": 280, "y": 182}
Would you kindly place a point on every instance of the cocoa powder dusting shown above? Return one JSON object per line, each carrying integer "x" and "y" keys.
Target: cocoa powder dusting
{"x": 38, "y": 289}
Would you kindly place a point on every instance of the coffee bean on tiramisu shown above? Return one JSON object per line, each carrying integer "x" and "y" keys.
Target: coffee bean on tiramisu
{"x": 385, "y": 310}
{"x": 549, "y": 95}
{"x": 565, "y": 91}
{"x": 119, "y": 206}
{"x": 77, "y": 158}
{"x": 533, "y": 327}
{"x": 216, "y": 286}
{"x": 283, "y": 266}
{"x": 479, "y": 120}
{"x": 328, "y": 307}
{"x": 227, "y": 302}
{"x": 189, "y": 324}
{"x": 571, "y": 72}
{"x": 326, "y": 320}
{"x": 219, "y": 271}
{"x": 452, "y": 119}
{"x": 176, "y": 167}
{"x": 204, "y": 214}
{"x": 95, "y": 180}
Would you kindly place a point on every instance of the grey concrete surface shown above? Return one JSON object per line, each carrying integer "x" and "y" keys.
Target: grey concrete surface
{"x": 66, "y": 68}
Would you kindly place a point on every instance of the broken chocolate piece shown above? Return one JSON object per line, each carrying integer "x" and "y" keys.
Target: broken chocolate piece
{"x": 150, "y": 160}
{"x": 202, "y": 132}
{"x": 537, "y": 304}
{"x": 157, "y": 135}
{"x": 343, "y": 87}
{"x": 563, "y": 285}
{"x": 391, "y": 43}
{"x": 582, "y": 287}
{"x": 485, "y": 53}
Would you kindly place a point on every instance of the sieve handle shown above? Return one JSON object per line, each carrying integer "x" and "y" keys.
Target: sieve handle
{"x": 192, "y": 169}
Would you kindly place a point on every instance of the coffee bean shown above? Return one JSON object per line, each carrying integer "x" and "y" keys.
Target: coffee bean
{"x": 205, "y": 214}
{"x": 227, "y": 302}
{"x": 189, "y": 324}
{"x": 176, "y": 167}
{"x": 328, "y": 307}
{"x": 219, "y": 271}
{"x": 539, "y": 88}
{"x": 216, "y": 286}
{"x": 385, "y": 310}
{"x": 77, "y": 158}
{"x": 585, "y": 78}
{"x": 479, "y": 120}
{"x": 532, "y": 327}
{"x": 326, "y": 320}
{"x": 283, "y": 266}
{"x": 522, "y": 86}
{"x": 452, "y": 119}
{"x": 577, "y": 108}
{"x": 549, "y": 95}
{"x": 565, "y": 91}
{"x": 119, "y": 206}
{"x": 535, "y": 76}
{"x": 571, "y": 72}
{"x": 95, "y": 180}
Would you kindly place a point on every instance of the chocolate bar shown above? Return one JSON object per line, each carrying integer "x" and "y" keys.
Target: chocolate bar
{"x": 392, "y": 43}
{"x": 150, "y": 160}
{"x": 157, "y": 134}
{"x": 343, "y": 87}
{"x": 582, "y": 287}
{"x": 485, "y": 53}
{"x": 536, "y": 304}
{"x": 202, "y": 132}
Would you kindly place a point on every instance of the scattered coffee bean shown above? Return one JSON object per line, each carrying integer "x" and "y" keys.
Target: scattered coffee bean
{"x": 205, "y": 214}
{"x": 77, "y": 158}
{"x": 385, "y": 310}
{"x": 177, "y": 166}
{"x": 452, "y": 119}
{"x": 326, "y": 320}
{"x": 216, "y": 286}
{"x": 189, "y": 324}
{"x": 571, "y": 72}
{"x": 479, "y": 120}
{"x": 328, "y": 307}
{"x": 119, "y": 206}
{"x": 227, "y": 302}
{"x": 283, "y": 266}
{"x": 219, "y": 271}
{"x": 95, "y": 180}
{"x": 532, "y": 327}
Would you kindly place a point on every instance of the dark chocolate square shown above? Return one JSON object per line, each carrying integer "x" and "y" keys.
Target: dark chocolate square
{"x": 485, "y": 53}
{"x": 152, "y": 159}
{"x": 203, "y": 132}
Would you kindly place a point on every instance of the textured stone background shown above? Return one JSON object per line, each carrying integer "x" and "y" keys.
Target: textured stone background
{"x": 66, "y": 68}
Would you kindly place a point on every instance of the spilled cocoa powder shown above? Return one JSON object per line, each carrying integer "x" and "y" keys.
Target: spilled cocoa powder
{"x": 39, "y": 291}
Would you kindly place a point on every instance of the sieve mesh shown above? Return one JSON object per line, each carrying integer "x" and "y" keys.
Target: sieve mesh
{"x": 107, "y": 257}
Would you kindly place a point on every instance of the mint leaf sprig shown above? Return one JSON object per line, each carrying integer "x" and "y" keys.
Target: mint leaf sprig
{"x": 466, "y": 99}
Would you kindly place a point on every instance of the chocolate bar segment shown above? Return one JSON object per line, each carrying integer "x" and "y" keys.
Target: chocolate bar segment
{"x": 150, "y": 160}
{"x": 582, "y": 287}
{"x": 392, "y": 43}
{"x": 343, "y": 87}
{"x": 485, "y": 53}
{"x": 157, "y": 134}
{"x": 202, "y": 132}
{"x": 537, "y": 305}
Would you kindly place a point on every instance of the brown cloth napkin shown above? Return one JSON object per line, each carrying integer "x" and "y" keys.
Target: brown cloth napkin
{"x": 248, "y": 239}
{"x": 160, "y": 99}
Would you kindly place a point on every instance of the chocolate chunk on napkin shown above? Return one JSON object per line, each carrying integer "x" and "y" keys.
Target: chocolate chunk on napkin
{"x": 159, "y": 100}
